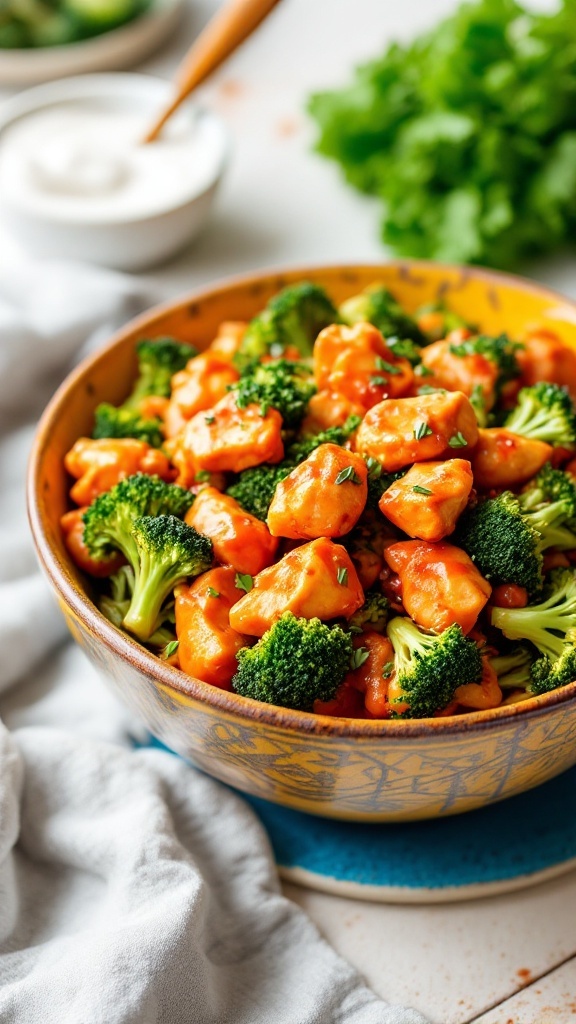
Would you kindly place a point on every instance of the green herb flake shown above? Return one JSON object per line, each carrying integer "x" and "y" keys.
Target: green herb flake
{"x": 348, "y": 474}
{"x": 388, "y": 367}
{"x": 210, "y": 419}
{"x": 244, "y": 581}
{"x": 342, "y": 575}
{"x": 359, "y": 656}
{"x": 213, "y": 593}
{"x": 170, "y": 649}
{"x": 422, "y": 430}
{"x": 387, "y": 669}
{"x": 378, "y": 382}
{"x": 374, "y": 468}
{"x": 421, "y": 490}
{"x": 458, "y": 440}
{"x": 202, "y": 477}
{"x": 423, "y": 371}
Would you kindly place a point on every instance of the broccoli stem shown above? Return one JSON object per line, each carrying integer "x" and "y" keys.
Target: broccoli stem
{"x": 155, "y": 578}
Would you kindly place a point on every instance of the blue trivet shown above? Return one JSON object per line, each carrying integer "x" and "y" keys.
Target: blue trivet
{"x": 507, "y": 846}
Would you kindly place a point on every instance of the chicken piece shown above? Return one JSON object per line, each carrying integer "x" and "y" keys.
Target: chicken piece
{"x": 544, "y": 356}
{"x": 428, "y": 500}
{"x": 348, "y": 703}
{"x": 398, "y": 433}
{"x": 323, "y": 496}
{"x": 208, "y": 643}
{"x": 440, "y": 584}
{"x": 502, "y": 459}
{"x": 314, "y": 580}
{"x": 329, "y": 409}
{"x": 336, "y": 339}
{"x": 98, "y": 465}
{"x": 153, "y": 407}
{"x": 357, "y": 363}
{"x": 227, "y": 439}
{"x": 73, "y": 532}
{"x": 238, "y": 539}
{"x": 228, "y": 339}
{"x": 483, "y": 695}
{"x": 373, "y": 675}
{"x": 460, "y": 373}
{"x": 203, "y": 382}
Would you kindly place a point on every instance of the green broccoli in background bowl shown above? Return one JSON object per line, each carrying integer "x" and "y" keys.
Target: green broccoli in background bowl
{"x": 26, "y": 24}
{"x": 467, "y": 135}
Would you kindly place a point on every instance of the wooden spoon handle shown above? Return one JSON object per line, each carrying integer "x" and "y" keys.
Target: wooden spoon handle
{"x": 229, "y": 27}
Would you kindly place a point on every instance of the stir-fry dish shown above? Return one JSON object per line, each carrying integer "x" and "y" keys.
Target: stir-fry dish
{"x": 356, "y": 511}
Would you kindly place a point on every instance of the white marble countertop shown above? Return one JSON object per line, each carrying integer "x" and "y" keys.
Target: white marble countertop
{"x": 504, "y": 960}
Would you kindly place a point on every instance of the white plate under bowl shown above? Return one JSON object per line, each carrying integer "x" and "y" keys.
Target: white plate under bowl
{"x": 114, "y": 50}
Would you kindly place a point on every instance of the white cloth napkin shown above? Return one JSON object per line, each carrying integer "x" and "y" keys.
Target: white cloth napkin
{"x": 133, "y": 889}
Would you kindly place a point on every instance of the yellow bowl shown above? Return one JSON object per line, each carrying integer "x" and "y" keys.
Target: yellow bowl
{"x": 365, "y": 770}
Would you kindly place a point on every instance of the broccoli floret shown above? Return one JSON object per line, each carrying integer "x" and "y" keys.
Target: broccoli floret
{"x": 378, "y": 481}
{"x": 551, "y": 627}
{"x": 295, "y": 663}
{"x": 506, "y": 543}
{"x": 110, "y": 421}
{"x": 513, "y": 669}
{"x": 255, "y": 487}
{"x": 550, "y": 502}
{"x": 114, "y": 607}
{"x": 372, "y": 616}
{"x": 377, "y": 306}
{"x": 405, "y": 348}
{"x": 544, "y": 412}
{"x": 550, "y": 486}
{"x": 158, "y": 360}
{"x": 294, "y": 317}
{"x": 500, "y": 351}
{"x": 167, "y": 552}
{"x": 283, "y": 385}
{"x": 302, "y": 448}
{"x": 109, "y": 520}
{"x": 428, "y": 667}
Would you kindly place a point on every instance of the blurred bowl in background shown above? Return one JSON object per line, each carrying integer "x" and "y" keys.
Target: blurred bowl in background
{"x": 124, "y": 239}
{"x": 113, "y": 50}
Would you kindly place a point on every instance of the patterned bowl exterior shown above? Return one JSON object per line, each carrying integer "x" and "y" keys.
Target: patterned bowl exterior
{"x": 340, "y": 768}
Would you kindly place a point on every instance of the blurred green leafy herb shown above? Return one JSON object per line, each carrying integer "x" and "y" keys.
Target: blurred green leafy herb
{"x": 468, "y": 135}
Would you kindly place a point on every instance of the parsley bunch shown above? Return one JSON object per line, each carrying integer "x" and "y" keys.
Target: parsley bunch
{"x": 468, "y": 135}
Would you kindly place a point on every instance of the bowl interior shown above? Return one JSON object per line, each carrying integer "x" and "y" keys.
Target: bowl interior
{"x": 495, "y": 302}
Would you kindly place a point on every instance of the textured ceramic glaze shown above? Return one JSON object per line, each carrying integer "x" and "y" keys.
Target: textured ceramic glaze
{"x": 341, "y": 768}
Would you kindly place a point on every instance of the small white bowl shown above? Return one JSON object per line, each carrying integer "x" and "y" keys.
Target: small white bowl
{"x": 122, "y": 243}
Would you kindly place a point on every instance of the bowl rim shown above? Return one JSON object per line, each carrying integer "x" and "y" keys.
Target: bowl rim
{"x": 182, "y": 685}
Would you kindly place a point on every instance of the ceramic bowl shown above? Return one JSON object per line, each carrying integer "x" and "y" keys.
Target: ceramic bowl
{"x": 342, "y": 768}
{"x": 121, "y": 47}
{"x": 121, "y": 242}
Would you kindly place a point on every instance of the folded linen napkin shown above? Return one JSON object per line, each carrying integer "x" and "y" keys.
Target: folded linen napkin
{"x": 133, "y": 889}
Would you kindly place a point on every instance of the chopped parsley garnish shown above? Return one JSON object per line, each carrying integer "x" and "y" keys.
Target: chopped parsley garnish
{"x": 244, "y": 581}
{"x": 348, "y": 473}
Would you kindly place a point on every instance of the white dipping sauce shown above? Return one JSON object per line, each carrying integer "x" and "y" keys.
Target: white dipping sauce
{"x": 84, "y": 160}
